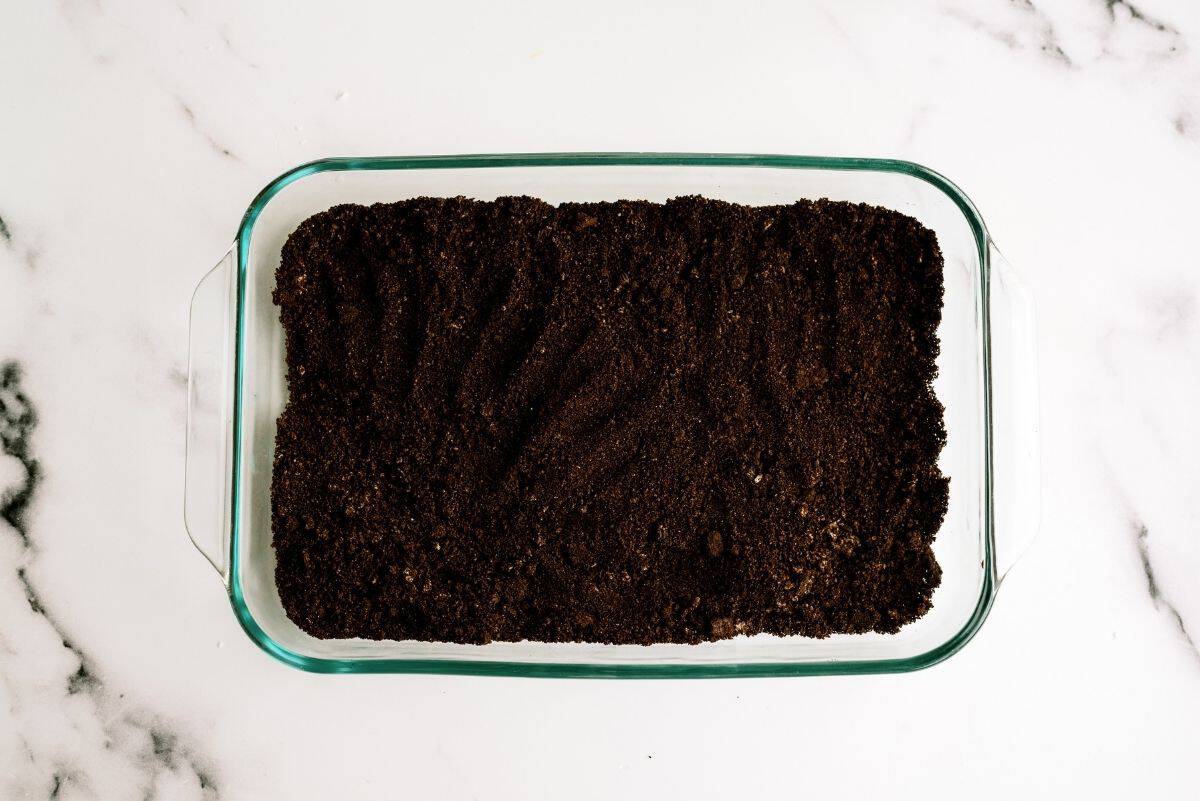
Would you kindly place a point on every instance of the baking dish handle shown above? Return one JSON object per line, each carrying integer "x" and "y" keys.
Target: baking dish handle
{"x": 1016, "y": 489}
{"x": 209, "y": 405}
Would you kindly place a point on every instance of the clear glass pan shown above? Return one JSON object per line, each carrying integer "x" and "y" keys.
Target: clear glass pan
{"x": 986, "y": 382}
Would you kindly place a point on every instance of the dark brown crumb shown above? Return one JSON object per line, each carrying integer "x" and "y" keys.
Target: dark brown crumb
{"x": 611, "y": 422}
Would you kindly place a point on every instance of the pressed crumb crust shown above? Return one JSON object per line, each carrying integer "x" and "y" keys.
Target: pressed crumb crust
{"x": 617, "y": 422}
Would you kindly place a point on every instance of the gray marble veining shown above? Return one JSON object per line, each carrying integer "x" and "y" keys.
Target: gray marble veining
{"x": 1156, "y": 595}
{"x": 141, "y": 751}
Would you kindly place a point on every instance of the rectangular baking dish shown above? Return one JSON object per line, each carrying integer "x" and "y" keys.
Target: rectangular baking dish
{"x": 986, "y": 381}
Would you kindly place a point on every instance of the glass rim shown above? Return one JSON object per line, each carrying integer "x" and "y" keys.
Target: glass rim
{"x": 479, "y": 667}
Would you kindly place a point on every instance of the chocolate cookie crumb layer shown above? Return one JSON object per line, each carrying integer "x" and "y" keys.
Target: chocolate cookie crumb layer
{"x": 617, "y": 422}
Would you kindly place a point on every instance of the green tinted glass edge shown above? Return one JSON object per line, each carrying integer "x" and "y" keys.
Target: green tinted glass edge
{"x": 584, "y": 670}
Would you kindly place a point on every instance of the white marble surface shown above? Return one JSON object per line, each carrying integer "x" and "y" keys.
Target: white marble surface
{"x": 132, "y": 136}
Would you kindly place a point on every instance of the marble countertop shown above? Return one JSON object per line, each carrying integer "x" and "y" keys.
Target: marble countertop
{"x": 132, "y": 137}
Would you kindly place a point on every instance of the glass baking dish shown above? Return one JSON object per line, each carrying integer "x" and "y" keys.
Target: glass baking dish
{"x": 986, "y": 381}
